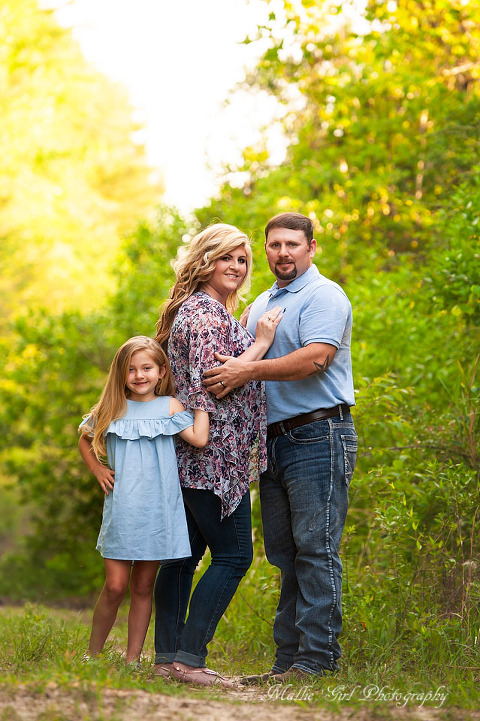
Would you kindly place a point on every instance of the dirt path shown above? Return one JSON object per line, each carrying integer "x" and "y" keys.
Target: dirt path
{"x": 72, "y": 703}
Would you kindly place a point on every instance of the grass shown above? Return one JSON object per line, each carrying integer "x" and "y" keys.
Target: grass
{"x": 389, "y": 658}
{"x": 384, "y": 655}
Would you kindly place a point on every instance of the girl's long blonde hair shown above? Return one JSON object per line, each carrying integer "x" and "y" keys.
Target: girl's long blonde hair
{"x": 194, "y": 266}
{"x": 112, "y": 403}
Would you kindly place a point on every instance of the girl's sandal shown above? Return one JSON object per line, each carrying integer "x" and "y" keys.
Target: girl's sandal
{"x": 134, "y": 666}
{"x": 201, "y": 677}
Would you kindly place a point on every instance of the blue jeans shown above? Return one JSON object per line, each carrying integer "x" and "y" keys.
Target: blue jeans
{"x": 304, "y": 499}
{"x": 230, "y": 544}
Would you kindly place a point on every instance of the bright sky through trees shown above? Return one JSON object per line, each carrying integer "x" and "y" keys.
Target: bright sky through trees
{"x": 178, "y": 59}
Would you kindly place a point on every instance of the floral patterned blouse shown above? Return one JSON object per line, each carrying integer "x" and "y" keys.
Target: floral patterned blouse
{"x": 236, "y": 452}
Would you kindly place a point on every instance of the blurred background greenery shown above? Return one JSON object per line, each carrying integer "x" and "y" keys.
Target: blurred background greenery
{"x": 383, "y": 134}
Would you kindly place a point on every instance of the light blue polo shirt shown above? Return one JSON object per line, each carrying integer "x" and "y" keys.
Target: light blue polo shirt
{"x": 316, "y": 311}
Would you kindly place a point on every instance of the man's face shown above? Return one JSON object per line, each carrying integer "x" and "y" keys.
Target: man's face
{"x": 288, "y": 254}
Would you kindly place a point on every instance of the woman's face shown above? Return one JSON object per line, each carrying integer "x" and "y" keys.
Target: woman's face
{"x": 229, "y": 274}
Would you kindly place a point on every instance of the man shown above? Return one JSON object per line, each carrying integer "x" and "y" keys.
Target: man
{"x": 312, "y": 446}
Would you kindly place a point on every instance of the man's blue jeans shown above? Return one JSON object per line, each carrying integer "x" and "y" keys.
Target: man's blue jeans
{"x": 304, "y": 499}
{"x": 230, "y": 544}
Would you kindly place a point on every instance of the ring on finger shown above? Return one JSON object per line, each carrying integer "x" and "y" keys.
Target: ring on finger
{"x": 222, "y": 384}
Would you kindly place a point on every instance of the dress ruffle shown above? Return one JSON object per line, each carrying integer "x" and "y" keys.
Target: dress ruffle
{"x": 131, "y": 429}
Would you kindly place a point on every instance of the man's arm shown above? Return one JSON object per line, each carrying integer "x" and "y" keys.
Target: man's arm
{"x": 307, "y": 361}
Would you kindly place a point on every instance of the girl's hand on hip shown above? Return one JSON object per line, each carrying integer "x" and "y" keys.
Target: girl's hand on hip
{"x": 106, "y": 478}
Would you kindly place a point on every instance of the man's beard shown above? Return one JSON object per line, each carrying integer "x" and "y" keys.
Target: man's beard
{"x": 286, "y": 276}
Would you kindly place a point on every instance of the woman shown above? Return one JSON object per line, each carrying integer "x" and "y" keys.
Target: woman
{"x": 195, "y": 322}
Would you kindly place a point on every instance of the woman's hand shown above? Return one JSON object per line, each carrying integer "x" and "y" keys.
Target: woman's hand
{"x": 267, "y": 325}
{"x": 235, "y": 372}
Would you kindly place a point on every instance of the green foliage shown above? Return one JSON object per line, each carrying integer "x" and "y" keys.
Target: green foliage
{"x": 56, "y": 370}
{"x": 385, "y": 126}
{"x": 144, "y": 272}
{"x": 383, "y": 154}
{"x": 456, "y": 273}
{"x": 37, "y": 639}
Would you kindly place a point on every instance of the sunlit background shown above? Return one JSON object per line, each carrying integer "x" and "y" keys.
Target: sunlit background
{"x": 181, "y": 61}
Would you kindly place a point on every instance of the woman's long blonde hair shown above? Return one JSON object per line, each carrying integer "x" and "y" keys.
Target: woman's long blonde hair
{"x": 112, "y": 403}
{"x": 194, "y": 266}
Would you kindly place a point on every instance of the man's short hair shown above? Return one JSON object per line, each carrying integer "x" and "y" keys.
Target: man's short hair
{"x": 292, "y": 221}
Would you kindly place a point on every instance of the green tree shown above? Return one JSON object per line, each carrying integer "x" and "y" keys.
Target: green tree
{"x": 72, "y": 178}
{"x": 384, "y": 124}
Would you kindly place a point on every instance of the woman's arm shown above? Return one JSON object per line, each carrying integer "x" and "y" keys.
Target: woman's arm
{"x": 197, "y": 435}
{"x": 104, "y": 475}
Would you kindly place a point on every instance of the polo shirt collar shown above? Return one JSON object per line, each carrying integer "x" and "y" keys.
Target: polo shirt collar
{"x": 298, "y": 283}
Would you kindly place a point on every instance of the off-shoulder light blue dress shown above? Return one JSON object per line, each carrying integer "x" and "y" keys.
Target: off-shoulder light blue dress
{"x": 144, "y": 516}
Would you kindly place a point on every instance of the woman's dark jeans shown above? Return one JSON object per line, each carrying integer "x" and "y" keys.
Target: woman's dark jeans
{"x": 230, "y": 544}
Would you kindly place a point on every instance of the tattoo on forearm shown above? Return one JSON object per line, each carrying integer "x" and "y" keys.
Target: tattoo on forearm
{"x": 320, "y": 367}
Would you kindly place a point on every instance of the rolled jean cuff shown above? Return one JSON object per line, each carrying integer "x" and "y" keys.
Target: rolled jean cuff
{"x": 279, "y": 669}
{"x": 189, "y": 659}
{"x": 164, "y": 657}
{"x": 306, "y": 669}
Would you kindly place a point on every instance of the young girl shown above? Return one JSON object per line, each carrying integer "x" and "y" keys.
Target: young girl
{"x": 133, "y": 425}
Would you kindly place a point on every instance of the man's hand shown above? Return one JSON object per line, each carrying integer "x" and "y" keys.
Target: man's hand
{"x": 223, "y": 379}
{"x": 310, "y": 360}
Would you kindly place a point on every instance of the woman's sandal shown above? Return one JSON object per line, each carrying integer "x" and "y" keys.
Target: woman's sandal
{"x": 165, "y": 670}
{"x": 200, "y": 677}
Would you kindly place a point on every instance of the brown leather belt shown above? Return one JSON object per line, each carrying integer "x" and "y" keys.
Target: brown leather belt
{"x": 281, "y": 427}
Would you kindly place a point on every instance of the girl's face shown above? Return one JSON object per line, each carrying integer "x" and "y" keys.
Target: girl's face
{"x": 229, "y": 274}
{"x": 143, "y": 376}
